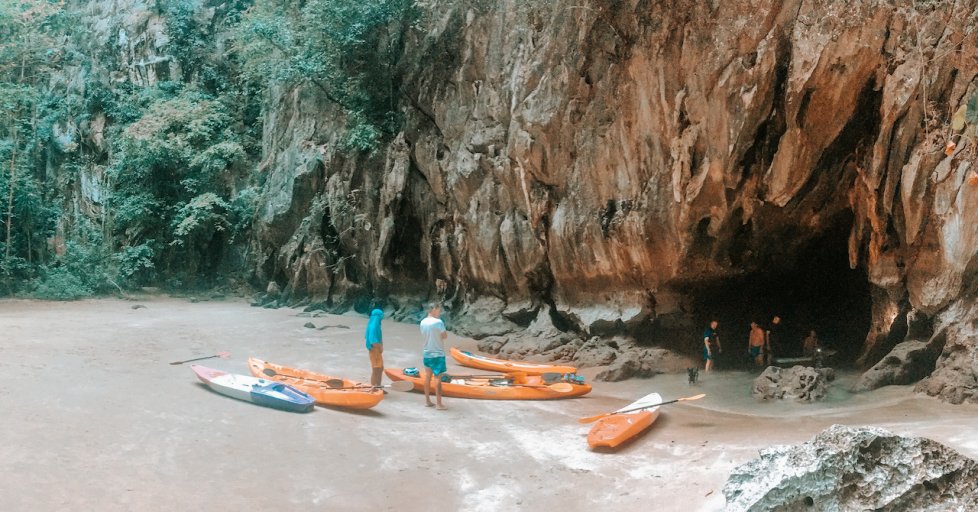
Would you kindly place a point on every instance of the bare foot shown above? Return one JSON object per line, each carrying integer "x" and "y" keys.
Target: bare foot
{"x": 441, "y": 407}
{"x": 429, "y": 404}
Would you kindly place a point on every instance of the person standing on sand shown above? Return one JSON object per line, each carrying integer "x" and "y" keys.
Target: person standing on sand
{"x": 755, "y": 344}
{"x": 773, "y": 345}
{"x": 810, "y": 344}
{"x": 375, "y": 345}
{"x": 711, "y": 344}
{"x": 433, "y": 355}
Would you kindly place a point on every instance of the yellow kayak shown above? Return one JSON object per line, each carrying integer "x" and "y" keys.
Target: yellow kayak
{"x": 325, "y": 389}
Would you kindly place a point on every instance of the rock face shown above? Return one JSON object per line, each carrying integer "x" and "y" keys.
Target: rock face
{"x": 589, "y": 163}
{"x": 800, "y": 383}
{"x": 907, "y": 363}
{"x": 848, "y": 468}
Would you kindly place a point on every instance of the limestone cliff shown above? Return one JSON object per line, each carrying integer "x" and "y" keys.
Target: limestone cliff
{"x": 625, "y": 170}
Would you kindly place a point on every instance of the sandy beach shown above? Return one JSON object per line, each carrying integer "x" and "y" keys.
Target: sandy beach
{"x": 95, "y": 419}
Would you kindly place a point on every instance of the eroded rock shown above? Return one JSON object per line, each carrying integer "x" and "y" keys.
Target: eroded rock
{"x": 855, "y": 468}
{"x": 645, "y": 362}
{"x": 801, "y": 383}
{"x": 907, "y": 363}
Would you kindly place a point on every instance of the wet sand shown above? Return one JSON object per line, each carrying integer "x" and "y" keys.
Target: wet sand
{"x": 95, "y": 419}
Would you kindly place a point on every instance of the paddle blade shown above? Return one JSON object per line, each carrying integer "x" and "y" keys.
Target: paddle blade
{"x": 224, "y": 355}
{"x": 402, "y": 385}
{"x": 596, "y": 417}
{"x": 561, "y": 387}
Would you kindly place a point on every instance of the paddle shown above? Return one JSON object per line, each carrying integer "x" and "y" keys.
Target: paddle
{"x": 591, "y": 419}
{"x": 483, "y": 376}
{"x": 560, "y": 387}
{"x": 399, "y": 385}
{"x": 222, "y": 355}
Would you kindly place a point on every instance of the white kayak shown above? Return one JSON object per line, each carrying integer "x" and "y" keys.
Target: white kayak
{"x": 252, "y": 389}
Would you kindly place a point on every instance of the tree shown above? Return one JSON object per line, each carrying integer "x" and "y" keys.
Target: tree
{"x": 28, "y": 53}
{"x": 347, "y": 49}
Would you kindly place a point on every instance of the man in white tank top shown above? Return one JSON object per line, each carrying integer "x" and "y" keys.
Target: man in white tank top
{"x": 433, "y": 355}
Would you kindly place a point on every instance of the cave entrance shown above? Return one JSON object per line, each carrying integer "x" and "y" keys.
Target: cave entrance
{"x": 811, "y": 288}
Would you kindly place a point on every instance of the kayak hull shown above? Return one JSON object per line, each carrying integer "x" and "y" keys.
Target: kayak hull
{"x": 257, "y": 391}
{"x": 360, "y": 396}
{"x": 531, "y": 388}
{"x": 612, "y": 431}
{"x": 501, "y": 365}
{"x": 616, "y": 429}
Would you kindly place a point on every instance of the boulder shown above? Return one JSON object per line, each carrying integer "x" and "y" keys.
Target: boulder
{"x": 907, "y": 363}
{"x": 855, "y": 468}
{"x": 596, "y": 352}
{"x": 644, "y": 362}
{"x": 801, "y": 383}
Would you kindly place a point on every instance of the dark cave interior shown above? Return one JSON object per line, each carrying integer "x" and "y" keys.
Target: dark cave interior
{"x": 813, "y": 288}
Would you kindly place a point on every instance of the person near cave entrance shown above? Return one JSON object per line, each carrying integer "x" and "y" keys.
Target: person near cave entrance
{"x": 755, "y": 344}
{"x": 711, "y": 344}
{"x": 774, "y": 345}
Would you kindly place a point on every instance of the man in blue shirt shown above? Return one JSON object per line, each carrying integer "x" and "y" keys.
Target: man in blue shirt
{"x": 711, "y": 344}
{"x": 375, "y": 346}
{"x": 433, "y": 355}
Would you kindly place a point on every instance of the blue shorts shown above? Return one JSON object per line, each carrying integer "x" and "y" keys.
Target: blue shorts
{"x": 755, "y": 351}
{"x": 436, "y": 364}
{"x": 706, "y": 355}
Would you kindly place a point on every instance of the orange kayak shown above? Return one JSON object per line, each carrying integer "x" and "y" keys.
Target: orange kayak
{"x": 615, "y": 429}
{"x": 529, "y": 387}
{"x": 325, "y": 389}
{"x": 501, "y": 365}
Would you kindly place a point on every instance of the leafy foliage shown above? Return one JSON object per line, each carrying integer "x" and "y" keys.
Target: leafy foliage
{"x": 59, "y": 283}
{"x": 345, "y": 48}
{"x": 167, "y": 170}
{"x": 170, "y": 170}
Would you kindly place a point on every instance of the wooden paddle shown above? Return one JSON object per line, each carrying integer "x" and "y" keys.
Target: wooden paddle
{"x": 222, "y": 355}
{"x": 560, "y": 387}
{"x": 596, "y": 417}
{"x": 399, "y": 385}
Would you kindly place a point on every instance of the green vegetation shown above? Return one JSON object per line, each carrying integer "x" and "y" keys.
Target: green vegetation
{"x": 347, "y": 49}
{"x": 115, "y": 176}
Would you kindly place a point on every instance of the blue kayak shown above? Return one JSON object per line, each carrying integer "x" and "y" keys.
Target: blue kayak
{"x": 252, "y": 389}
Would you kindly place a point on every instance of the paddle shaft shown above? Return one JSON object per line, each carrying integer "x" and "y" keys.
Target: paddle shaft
{"x": 223, "y": 354}
{"x": 560, "y": 387}
{"x": 590, "y": 419}
{"x": 332, "y": 383}
{"x": 395, "y": 386}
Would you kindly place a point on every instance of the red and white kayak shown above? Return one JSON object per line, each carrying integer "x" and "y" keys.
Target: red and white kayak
{"x": 615, "y": 429}
{"x": 258, "y": 391}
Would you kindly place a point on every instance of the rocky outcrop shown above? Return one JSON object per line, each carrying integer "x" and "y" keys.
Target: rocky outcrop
{"x": 800, "y": 383}
{"x": 955, "y": 378}
{"x": 594, "y": 162}
{"x": 907, "y": 363}
{"x": 855, "y": 468}
{"x": 645, "y": 362}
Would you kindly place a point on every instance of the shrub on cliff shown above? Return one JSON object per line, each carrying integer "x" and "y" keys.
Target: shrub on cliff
{"x": 347, "y": 49}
